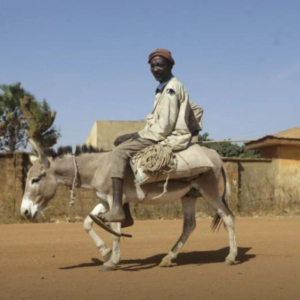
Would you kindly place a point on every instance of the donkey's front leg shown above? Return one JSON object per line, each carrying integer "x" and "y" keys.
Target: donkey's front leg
{"x": 88, "y": 226}
{"x": 189, "y": 224}
{"x": 114, "y": 260}
{"x": 112, "y": 264}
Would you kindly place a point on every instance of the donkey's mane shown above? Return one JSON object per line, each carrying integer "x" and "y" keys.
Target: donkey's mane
{"x": 68, "y": 150}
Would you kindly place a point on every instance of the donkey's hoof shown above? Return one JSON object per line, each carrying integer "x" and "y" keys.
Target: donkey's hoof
{"x": 166, "y": 262}
{"x": 108, "y": 267}
{"x": 107, "y": 254}
{"x": 230, "y": 262}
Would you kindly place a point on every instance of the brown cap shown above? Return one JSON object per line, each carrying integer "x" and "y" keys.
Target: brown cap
{"x": 164, "y": 53}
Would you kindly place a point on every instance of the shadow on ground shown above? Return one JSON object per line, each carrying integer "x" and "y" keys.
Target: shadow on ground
{"x": 95, "y": 262}
{"x": 189, "y": 258}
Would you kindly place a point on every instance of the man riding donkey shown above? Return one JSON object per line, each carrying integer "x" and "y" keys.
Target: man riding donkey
{"x": 173, "y": 122}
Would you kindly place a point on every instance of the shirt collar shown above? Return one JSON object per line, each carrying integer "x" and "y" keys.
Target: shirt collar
{"x": 162, "y": 85}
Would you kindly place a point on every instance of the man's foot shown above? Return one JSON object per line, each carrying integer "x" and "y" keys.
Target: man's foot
{"x": 127, "y": 222}
{"x": 107, "y": 227}
{"x": 112, "y": 216}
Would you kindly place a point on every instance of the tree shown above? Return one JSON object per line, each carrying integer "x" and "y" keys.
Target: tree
{"x": 227, "y": 149}
{"x": 14, "y": 125}
{"x": 40, "y": 121}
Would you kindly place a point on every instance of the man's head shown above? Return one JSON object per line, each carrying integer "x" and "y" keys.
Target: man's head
{"x": 161, "y": 63}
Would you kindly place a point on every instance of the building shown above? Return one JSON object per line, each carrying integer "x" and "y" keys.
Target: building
{"x": 284, "y": 145}
{"x": 104, "y": 133}
{"x": 283, "y": 149}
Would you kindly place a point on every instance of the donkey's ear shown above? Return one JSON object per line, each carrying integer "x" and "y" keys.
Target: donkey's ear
{"x": 33, "y": 148}
{"x": 36, "y": 150}
{"x": 33, "y": 158}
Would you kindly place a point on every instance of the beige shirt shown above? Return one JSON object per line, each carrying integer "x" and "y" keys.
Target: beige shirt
{"x": 168, "y": 122}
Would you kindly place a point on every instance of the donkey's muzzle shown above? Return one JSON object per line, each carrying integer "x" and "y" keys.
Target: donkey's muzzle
{"x": 29, "y": 210}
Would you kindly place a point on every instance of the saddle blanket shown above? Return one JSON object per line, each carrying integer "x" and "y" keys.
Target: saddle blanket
{"x": 189, "y": 163}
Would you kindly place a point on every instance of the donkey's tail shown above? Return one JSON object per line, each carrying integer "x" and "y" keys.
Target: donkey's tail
{"x": 217, "y": 221}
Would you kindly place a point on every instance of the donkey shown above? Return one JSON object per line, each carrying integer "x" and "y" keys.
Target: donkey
{"x": 93, "y": 171}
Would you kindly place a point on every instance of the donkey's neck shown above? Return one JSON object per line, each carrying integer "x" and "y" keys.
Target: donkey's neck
{"x": 86, "y": 165}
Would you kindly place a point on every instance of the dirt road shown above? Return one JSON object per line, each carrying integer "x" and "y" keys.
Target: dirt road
{"x": 59, "y": 261}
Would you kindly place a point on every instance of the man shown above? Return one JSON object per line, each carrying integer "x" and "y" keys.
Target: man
{"x": 168, "y": 124}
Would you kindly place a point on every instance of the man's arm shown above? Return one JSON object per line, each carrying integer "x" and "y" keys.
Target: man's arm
{"x": 123, "y": 138}
{"x": 195, "y": 118}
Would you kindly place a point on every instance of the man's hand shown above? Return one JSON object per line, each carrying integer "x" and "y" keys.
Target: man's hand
{"x": 195, "y": 133}
{"x": 122, "y": 138}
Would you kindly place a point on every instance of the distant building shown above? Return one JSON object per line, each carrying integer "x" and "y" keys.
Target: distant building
{"x": 104, "y": 133}
{"x": 284, "y": 145}
{"x": 283, "y": 149}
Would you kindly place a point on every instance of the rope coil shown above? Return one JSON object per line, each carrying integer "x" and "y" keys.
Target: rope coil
{"x": 157, "y": 159}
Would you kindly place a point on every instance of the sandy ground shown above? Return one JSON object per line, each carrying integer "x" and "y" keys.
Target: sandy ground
{"x": 59, "y": 261}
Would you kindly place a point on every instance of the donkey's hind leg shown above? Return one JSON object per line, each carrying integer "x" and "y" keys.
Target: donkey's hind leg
{"x": 189, "y": 224}
{"x": 88, "y": 226}
{"x": 209, "y": 188}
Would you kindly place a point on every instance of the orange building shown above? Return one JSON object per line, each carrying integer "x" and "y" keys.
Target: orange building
{"x": 284, "y": 150}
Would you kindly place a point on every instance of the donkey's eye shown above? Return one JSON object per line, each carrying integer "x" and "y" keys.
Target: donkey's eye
{"x": 35, "y": 180}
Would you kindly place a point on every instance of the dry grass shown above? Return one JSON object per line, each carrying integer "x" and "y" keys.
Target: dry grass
{"x": 271, "y": 196}
{"x": 8, "y": 210}
{"x": 255, "y": 196}
{"x": 287, "y": 191}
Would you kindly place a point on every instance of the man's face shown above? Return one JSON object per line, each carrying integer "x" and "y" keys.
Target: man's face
{"x": 160, "y": 68}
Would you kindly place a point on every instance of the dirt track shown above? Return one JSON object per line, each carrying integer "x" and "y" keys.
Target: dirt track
{"x": 58, "y": 261}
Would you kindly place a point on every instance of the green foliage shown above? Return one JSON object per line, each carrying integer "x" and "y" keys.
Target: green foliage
{"x": 227, "y": 149}
{"x": 13, "y": 125}
{"x": 44, "y": 119}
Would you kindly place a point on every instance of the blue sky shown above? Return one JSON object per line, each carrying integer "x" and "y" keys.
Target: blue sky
{"x": 240, "y": 60}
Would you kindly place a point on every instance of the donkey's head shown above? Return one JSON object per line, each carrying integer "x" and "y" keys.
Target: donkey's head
{"x": 41, "y": 184}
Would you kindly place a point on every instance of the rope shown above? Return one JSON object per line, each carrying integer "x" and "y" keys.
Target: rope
{"x": 72, "y": 190}
{"x": 157, "y": 159}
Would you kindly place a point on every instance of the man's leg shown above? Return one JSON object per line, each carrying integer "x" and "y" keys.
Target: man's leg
{"x": 120, "y": 157}
{"x": 117, "y": 204}
{"x": 116, "y": 212}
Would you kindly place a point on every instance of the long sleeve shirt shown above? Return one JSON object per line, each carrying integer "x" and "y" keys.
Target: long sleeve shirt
{"x": 168, "y": 122}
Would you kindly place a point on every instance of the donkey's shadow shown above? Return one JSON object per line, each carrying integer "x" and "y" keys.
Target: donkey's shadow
{"x": 189, "y": 258}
